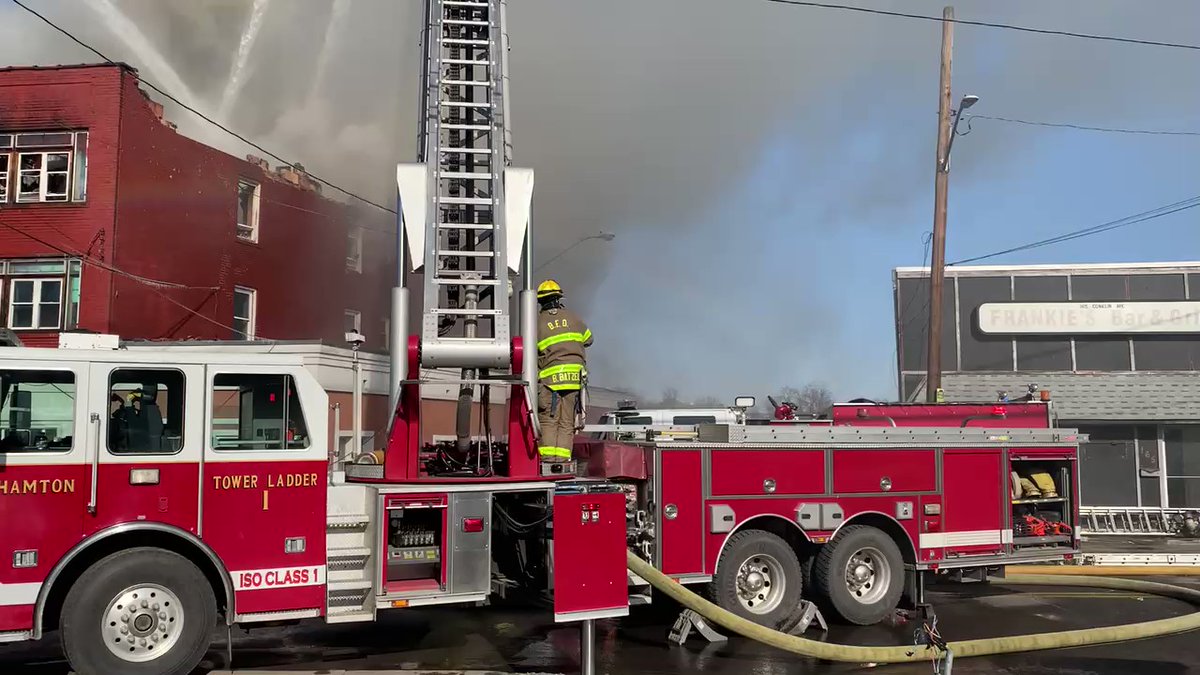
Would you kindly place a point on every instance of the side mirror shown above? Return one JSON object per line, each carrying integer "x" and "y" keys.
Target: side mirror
{"x": 743, "y": 402}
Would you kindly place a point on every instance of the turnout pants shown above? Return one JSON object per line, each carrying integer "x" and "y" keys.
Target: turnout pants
{"x": 556, "y": 415}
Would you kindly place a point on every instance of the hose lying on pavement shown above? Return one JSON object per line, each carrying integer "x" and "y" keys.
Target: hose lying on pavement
{"x": 997, "y": 645}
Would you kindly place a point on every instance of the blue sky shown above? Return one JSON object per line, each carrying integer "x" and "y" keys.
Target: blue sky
{"x": 834, "y": 212}
{"x": 764, "y": 167}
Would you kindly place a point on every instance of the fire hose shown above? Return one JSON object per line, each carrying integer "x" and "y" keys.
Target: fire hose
{"x": 960, "y": 649}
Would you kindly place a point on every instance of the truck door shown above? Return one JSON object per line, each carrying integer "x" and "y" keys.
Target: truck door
{"x": 975, "y": 504}
{"x": 44, "y": 482}
{"x": 681, "y": 531}
{"x": 145, "y": 427}
{"x": 264, "y": 485}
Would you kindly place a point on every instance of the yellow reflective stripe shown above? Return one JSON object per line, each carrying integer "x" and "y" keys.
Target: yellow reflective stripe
{"x": 587, "y": 335}
{"x": 550, "y": 451}
{"x": 563, "y": 337}
{"x": 557, "y": 370}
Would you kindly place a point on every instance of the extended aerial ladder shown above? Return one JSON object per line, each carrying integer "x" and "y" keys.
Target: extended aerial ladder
{"x": 464, "y": 225}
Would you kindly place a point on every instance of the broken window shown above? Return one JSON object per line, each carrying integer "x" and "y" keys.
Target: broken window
{"x": 247, "y": 210}
{"x": 354, "y": 250}
{"x": 44, "y": 176}
{"x": 57, "y": 172}
{"x": 4, "y": 160}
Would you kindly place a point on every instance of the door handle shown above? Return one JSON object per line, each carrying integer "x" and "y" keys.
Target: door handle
{"x": 95, "y": 418}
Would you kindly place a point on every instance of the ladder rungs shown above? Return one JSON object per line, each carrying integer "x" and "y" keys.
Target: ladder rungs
{"x": 465, "y": 41}
{"x": 446, "y": 274}
{"x": 465, "y": 226}
{"x": 466, "y": 151}
{"x": 467, "y": 282}
{"x": 460, "y": 311}
{"x": 467, "y": 62}
{"x": 501, "y": 381}
{"x": 464, "y": 175}
{"x": 465, "y": 104}
{"x": 466, "y": 254}
{"x": 464, "y": 3}
{"x": 465, "y": 22}
{"x": 466, "y": 200}
{"x": 466, "y": 83}
{"x": 465, "y": 127}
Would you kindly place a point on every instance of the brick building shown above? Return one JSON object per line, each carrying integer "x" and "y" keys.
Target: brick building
{"x": 112, "y": 221}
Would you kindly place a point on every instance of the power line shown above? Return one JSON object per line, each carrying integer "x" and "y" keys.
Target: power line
{"x": 199, "y": 114}
{"x": 1081, "y": 127}
{"x": 990, "y": 24}
{"x": 1183, "y": 205}
{"x": 152, "y": 283}
{"x": 228, "y": 183}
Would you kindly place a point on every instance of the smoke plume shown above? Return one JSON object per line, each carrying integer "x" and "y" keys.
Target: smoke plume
{"x": 745, "y": 154}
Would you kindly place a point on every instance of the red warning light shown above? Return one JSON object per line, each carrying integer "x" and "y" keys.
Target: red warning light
{"x": 271, "y": 397}
{"x": 998, "y": 411}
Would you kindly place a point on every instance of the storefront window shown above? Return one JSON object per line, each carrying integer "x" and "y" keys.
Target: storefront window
{"x": 1182, "y": 443}
{"x": 1108, "y": 466}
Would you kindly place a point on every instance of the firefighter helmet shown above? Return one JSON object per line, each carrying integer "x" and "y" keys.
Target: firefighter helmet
{"x": 549, "y": 289}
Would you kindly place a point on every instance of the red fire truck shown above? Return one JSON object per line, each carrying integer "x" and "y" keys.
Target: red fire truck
{"x": 147, "y": 492}
{"x": 853, "y": 509}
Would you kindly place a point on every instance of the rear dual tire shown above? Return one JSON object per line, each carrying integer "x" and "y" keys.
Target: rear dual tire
{"x": 143, "y": 611}
{"x": 859, "y": 575}
{"x": 758, "y": 578}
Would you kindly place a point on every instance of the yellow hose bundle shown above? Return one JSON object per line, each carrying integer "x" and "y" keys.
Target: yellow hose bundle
{"x": 980, "y": 647}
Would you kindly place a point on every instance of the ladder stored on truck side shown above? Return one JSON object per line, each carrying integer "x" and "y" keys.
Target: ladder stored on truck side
{"x": 1142, "y": 521}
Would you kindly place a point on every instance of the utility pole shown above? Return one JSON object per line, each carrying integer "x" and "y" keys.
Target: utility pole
{"x": 937, "y": 271}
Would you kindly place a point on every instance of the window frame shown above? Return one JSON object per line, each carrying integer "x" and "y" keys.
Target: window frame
{"x": 36, "y": 302}
{"x": 73, "y": 417}
{"x": 248, "y": 231}
{"x": 73, "y": 143}
{"x": 252, "y": 319}
{"x": 183, "y": 411}
{"x": 357, "y": 320}
{"x": 43, "y": 173}
{"x": 5, "y": 174}
{"x": 354, "y": 255}
{"x": 211, "y": 405}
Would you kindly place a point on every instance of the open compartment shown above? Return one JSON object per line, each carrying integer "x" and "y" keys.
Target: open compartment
{"x": 1041, "y": 491}
{"x": 416, "y": 536}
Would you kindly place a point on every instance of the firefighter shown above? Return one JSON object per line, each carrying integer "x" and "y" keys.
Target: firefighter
{"x": 562, "y": 374}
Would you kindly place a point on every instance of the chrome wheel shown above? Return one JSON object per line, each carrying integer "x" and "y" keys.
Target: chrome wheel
{"x": 868, "y": 575}
{"x": 761, "y": 584}
{"x": 142, "y": 623}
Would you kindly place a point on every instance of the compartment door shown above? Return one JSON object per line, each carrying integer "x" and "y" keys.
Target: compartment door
{"x": 974, "y": 504}
{"x": 681, "y": 512}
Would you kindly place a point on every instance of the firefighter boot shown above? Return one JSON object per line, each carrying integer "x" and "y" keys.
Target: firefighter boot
{"x": 551, "y": 446}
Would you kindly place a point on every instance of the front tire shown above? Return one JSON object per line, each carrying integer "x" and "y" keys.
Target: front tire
{"x": 758, "y": 578}
{"x": 144, "y": 611}
{"x": 860, "y": 575}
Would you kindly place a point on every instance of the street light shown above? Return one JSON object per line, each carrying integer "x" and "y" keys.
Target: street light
{"x": 606, "y": 236}
{"x": 966, "y": 102}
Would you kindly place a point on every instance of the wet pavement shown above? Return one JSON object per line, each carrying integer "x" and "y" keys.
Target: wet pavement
{"x": 524, "y": 641}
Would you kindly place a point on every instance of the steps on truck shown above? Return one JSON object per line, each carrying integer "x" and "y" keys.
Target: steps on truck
{"x": 350, "y": 554}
